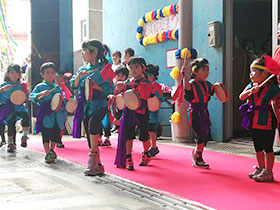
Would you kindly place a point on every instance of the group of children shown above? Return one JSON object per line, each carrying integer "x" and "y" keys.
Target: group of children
{"x": 108, "y": 81}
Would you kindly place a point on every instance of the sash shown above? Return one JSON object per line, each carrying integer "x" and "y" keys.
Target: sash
{"x": 44, "y": 110}
{"x": 247, "y": 112}
{"x": 5, "y": 111}
{"x": 128, "y": 119}
{"x": 79, "y": 115}
{"x": 200, "y": 109}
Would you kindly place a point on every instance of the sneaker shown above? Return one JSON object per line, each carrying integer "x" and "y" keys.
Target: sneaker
{"x": 277, "y": 152}
{"x": 98, "y": 170}
{"x": 53, "y": 154}
{"x": 145, "y": 159}
{"x": 49, "y": 158}
{"x": 197, "y": 160}
{"x": 106, "y": 143}
{"x": 129, "y": 164}
{"x": 153, "y": 151}
{"x": 11, "y": 148}
{"x": 256, "y": 172}
{"x": 24, "y": 141}
{"x": 99, "y": 142}
{"x": 60, "y": 145}
{"x": 2, "y": 143}
{"x": 264, "y": 176}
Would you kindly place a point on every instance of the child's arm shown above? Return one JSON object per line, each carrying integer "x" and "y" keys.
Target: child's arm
{"x": 5, "y": 88}
{"x": 247, "y": 92}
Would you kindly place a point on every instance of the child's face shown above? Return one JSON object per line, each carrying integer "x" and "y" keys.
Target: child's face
{"x": 126, "y": 57}
{"x": 59, "y": 79}
{"x": 151, "y": 78}
{"x": 49, "y": 75}
{"x": 202, "y": 73}
{"x": 13, "y": 76}
{"x": 120, "y": 77}
{"x": 258, "y": 76}
{"x": 116, "y": 59}
{"x": 136, "y": 70}
{"x": 87, "y": 56}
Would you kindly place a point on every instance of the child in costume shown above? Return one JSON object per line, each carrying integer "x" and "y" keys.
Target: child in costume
{"x": 152, "y": 74}
{"x": 258, "y": 115}
{"x": 121, "y": 75}
{"x": 198, "y": 92}
{"x": 132, "y": 118}
{"x": 10, "y": 112}
{"x": 92, "y": 111}
{"x": 49, "y": 122}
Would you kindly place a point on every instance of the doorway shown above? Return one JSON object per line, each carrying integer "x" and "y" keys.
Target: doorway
{"x": 252, "y": 37}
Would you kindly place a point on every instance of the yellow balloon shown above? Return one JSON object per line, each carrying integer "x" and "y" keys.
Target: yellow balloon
{"x": 141, "y": 22}
{"x": 138, "y": 36}
{"x": 175, "y": 117}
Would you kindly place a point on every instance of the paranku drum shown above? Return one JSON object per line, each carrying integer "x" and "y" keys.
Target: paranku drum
{"x": 120, "y": 102}
{"x": 88, "y": 89}
{"x": 221, "y": 92}
{"x": 275, "y": 104}
{"x": 71, "y": 106}
{"x": 17, "y": 97}
{"x": 56, "y": 102}
{"x": 131, "y": 100}
{"x": 154, "y": 104}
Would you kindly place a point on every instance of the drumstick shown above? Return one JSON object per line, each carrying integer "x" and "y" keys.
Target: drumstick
{"x": 265, "y": 81}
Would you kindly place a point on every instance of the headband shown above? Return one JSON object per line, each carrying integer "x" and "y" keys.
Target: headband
{"x": 10, "y": 68}
{"x": 195, "y": 67}
{"x": 259, "y": 67}
{"x": 91, "y": 47}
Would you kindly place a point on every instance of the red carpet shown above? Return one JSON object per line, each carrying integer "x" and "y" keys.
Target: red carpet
{"x": 225, "y": 186}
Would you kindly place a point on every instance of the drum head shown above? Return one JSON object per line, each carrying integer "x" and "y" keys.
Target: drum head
{"x": 71, "y": 106}
{"x": 18, "y": 97}
{"x": 221, "y": 92}
{"x": 154, "y": 104}
{"x": 131, "y": 100}
{"x": 56, "y": 102}
{"x": 275, "y": 104}
{"x": 120, "y": 102}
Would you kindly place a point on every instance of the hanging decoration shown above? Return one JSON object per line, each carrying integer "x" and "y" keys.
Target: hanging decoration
{"x": 8, "y": 47}
{"x": 150, "y": 37}
{"x": 176, "y": 117}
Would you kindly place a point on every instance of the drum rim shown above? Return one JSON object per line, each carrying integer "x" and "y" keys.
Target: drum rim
{"x": 139, "y": 102}
{"x": 60, "y": 102}
{"x": 123, "y": 102}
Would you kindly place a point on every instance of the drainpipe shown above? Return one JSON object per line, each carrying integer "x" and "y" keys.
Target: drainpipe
{"x": 181, "y": 132}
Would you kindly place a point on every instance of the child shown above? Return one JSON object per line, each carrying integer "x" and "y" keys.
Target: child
{"x": 121, "y": 75}
{"x": 140, "y": 117}
{"x": 152, "y": 74}
{"x": 11, "y": 111}
{"x": 116, "y": 56}
{"x": 48, "y": 122}
{"x": 92, "y": 111}
{"x": 128, "y": 53}
{"x": 259, "y": 118}
{"x": 198, "y": 92}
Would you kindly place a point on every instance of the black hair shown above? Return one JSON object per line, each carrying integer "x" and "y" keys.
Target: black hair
{"x": 96, "y": 44}
{"x": 261, "y": 61}
{"x": 197, "y": 64}
{"x": 152, "y": 69}
{"x": 122, "y": 70}
{"x": 15, "y": 67}
{"x": 117, "y": 53}
{"x": 47, "y": 65}
{"x": 130, "y": 51}
{"x": 137, "y": 59}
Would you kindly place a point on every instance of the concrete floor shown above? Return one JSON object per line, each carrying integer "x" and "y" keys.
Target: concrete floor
{"x": 27, "y": 182}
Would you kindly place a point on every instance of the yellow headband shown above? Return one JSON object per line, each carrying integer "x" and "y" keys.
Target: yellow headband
{"x": 90, "y": 47}
{"x": 259, "y": 67}
{"x": 195, "y": 66}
